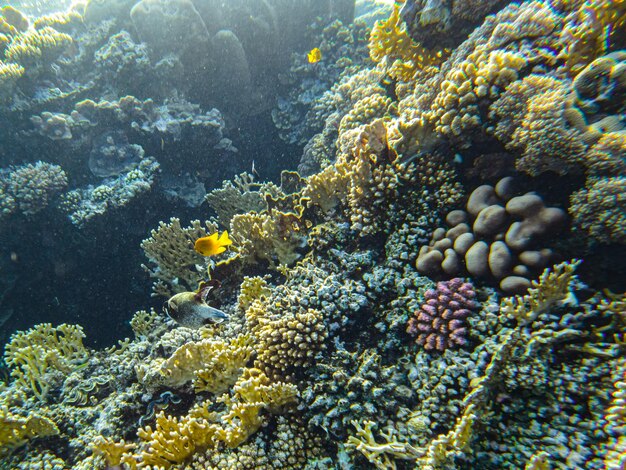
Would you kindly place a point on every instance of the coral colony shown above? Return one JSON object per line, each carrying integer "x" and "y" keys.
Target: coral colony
{"x": 429, "y": 290}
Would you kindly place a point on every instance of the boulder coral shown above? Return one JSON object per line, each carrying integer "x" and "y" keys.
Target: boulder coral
{"x": 495, "y": 237}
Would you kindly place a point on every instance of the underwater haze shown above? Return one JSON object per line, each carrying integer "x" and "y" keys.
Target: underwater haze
{"x": 313, "y": 234}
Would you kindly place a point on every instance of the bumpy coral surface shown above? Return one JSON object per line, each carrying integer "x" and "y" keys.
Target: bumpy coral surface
{"x": 349, "y": 337}
{"x": 440, "y": 322}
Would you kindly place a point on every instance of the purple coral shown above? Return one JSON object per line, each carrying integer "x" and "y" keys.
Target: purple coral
{"x": 439, "y": 324}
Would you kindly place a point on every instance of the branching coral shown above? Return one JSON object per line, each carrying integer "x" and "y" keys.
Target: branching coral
{"x": 390, "y": 41}
{"x": 439, "y": 452}
{"x": 273, "y": 236}
{"x": 552, "y": 287}
{"x": 175, "y": 265}
{"x": 32, "y": 47}
{"x": 31, "y": 354}
{"x": 174, "y": 439}
{"x": 15, "y": 430}
{"x": 286, "y": 343}
{"x": 31, "y": 187}
{"x": 238, "y": 197}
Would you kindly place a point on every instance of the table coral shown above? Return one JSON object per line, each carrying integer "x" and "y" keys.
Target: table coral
{"x": 440, "y": 322}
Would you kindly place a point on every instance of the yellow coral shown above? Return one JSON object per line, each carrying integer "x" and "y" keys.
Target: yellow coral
{"x": 16, "y": 431}
{"x": 271, "y": 236}
{"x": 553, "y": 286}
{"x": 15, "y": 18}
{"x": 111, "y": 451}
{"x": 252, "y": 288}
{"x": 213, "y": 365}
{"x": 596, "y": 23}
{"x": 389, "y": 40}
{"x": 175, "y": 265}
{"x": 145, "y": 324}
{"x": 287, "y": 342}
{"x": 173, "y": 439}
{"x": 30, "y": 354}
{"x": 32, "y": 45}
{"x": 539, "y": 461}
{"x": 57, "y": 19}
{"x": 437, "y": 454}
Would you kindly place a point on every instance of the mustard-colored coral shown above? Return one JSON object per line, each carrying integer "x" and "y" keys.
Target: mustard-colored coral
{"x": 30, "y": 47}
{"x": 390, "y": 41}
{"x": 594, "y": 26}
{"x": 174, "y": 439}
{"x": 57, "y": 19}
{"x": 174, "y": 264}
{"x": 112, "y": 451}
{"x": 252, "y": 288}
{"x": 146, "y": 324}
{"x": 15, "y": 431}
{"x": 285, "y": 341}
{"x": 275, "y": 237}
{"x": 539, "y": 461}
{"x": 15, "y": 18}
{"x": 482, "y": 74}
{"x": 438, "y": 454}
{"x": 32, "y": 353}
{"x": 552, "y": 287}
{"x": 213, "y": 365}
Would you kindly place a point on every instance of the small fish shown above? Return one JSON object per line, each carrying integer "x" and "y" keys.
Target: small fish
{"x": 253, "y": 170}
{"x": 212, "y": 245}
{"x": 162, "y": 144}
{"x": 191, "y": 310}
{"x": 314, "y": 55}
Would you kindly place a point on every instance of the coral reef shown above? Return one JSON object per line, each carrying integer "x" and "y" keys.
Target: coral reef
{"x": 440, "y": 322}
{"x": 495, "y": 238}
{"x": 347, "y": 336}
{"x": 28, "y": 188}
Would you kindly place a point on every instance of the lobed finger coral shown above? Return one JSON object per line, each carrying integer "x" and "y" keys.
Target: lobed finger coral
{"x": 440, "y": 322}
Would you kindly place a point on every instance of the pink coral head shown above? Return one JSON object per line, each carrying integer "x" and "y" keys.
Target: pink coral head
{"x": 440, "y": 322}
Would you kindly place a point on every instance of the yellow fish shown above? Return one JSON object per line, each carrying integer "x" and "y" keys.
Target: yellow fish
{"x": 212, "y": 245}
{"x": 314, "y": 56}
